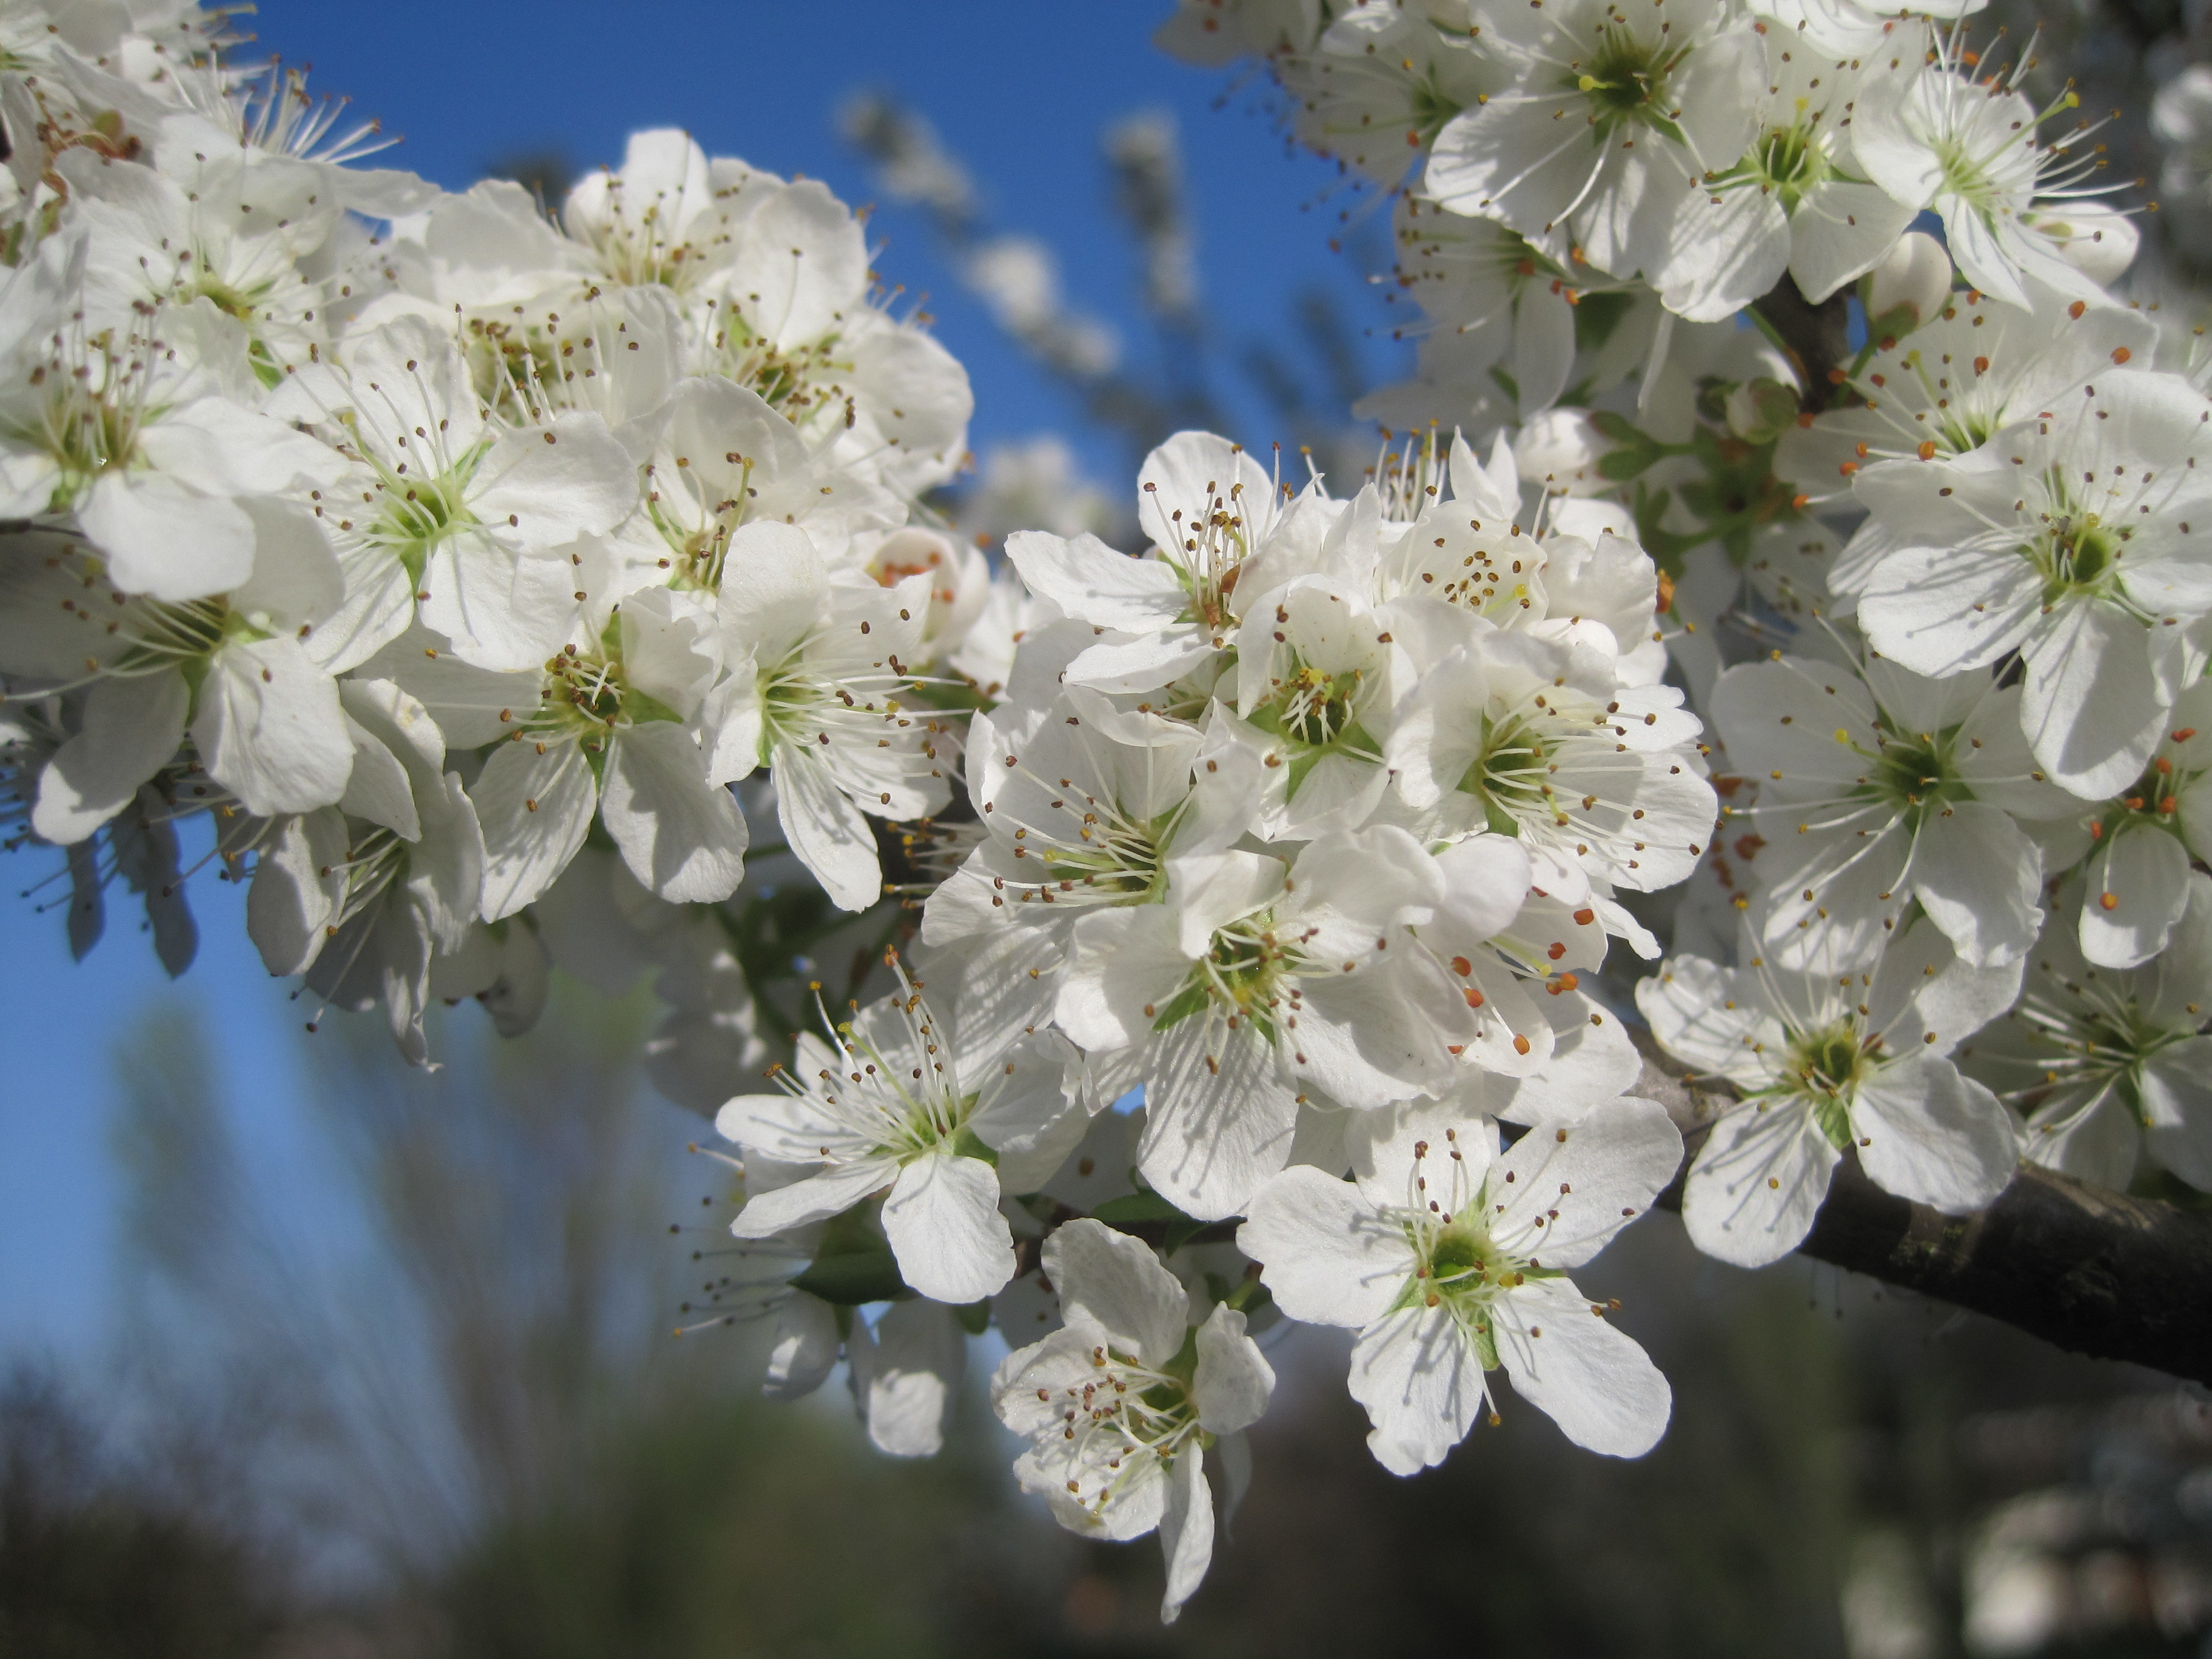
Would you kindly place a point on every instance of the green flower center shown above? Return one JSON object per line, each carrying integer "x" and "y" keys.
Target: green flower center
{"x": 1241, "y": 973}
{"x": 1316, "y": 713}
{"x": 1458, "y": 1266}
{"x": 1510, "y": 775}
{"x": 1626, "y": 81}
{"x": 1115, "y": 856}
{"x": 585, "y": 695}
{"x": 1827, "y": 1065}
{"x": 1916, "y": 772}
{"x": 2078, "y": 554}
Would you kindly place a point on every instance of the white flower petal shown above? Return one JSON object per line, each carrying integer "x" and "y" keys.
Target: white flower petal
{"x": 270, "y": 729}
{"x": 1417, "y": 1373}
{"x": 804, "y": 1350}
{"x": 1218, "y": 1117}
{"x": 828, "y": 832}
{"x": 682, "y": 837}
{"x": 906, "y": 1374}
{"x": 1757, "y": 1183}
{"x": 1327, "y": 1254}
{"x": 942, "y": 1219}
{"x": 1186, "y": 1531}
{"x": 536, "y": 810}
{"x": 1565, "y": 1358}
{"x": 131, "y": 729}
{"x": 1929, "y": 1134}
{"x": 1114, "y": 1282}
{"x": 1234, "y": 1381}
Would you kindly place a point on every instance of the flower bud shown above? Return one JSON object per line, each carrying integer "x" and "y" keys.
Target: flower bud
{"x": 1910, "y": 285}
{"x": 1761, "y": 410}
{"x": 2097, "y": 240}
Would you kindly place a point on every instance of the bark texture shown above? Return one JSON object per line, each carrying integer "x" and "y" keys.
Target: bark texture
{"x": 2094, "y": 1271}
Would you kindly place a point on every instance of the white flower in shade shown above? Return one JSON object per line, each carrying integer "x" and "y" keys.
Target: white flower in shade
{"x": 1797, "y": 201}
{"x": 1382, "y": 81}
{"x": 361, "y": 897}
{"x": 1501, "y": 329}
{"x": 1035, "y": 484}
{"x": 1449, "y": 1258}
{"x": 1538, "y": 740}
{"x": 1944, "y": 390}
{"x": 895, "y": 1104}
{"x": 1259, "y": 986}
{"x": 2107, "y": 1064}
{"x": 1877, "y": 788}
{"x": 145, "y": 432}
{"x": 2138, "y": 844}
{"x": 2084, "y": 542}
{"x": 1613, "y": 118}
{"x": 906, "y": 1375}
{"x": 1123, "y": 1402}
{"x": 231, "y": 670}
{"x": 816, "y": 667}
{"x": 1826, "y": 1061}
{"x": 712, "y": 1031}
{"x": 2181, "y": 117}
{"x": 1968, "y": 148}
{"x": 1214, "y": 33}
{"x": 446, "y": 516}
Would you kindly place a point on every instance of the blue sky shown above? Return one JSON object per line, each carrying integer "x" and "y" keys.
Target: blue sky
{"x": 1020, "y": 90}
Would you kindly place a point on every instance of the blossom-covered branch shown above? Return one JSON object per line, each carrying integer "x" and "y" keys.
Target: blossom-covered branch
{"x": 1809, "y": 607}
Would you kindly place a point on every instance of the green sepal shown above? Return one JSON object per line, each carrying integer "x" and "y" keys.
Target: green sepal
{"x": 1245, "y": 1296}
{"x": 854, "y": 1280}
{"x": 1486, "y": 1346}
{"x": 974, "y": 1317}
{"x": 969, "y": 1143}
{"x": 1596, "y": 316}
{"x": 1353, "y": 737}
{"x": 1189, "y": 1001}
{"x": 1834, "y": 1120}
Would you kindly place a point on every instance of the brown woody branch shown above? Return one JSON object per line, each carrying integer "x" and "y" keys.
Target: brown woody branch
{"x": 1816, "y": 336}
{"x": 2094, "y": 1271}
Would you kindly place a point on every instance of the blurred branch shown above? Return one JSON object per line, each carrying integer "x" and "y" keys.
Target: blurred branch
{"x": 2094, "y": 1271}
{"x": 1016, "y": 277}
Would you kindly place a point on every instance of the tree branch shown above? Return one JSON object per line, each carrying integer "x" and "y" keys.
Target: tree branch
{"x": 1817, "y": 336}
{"x": 2094, "y": 1271}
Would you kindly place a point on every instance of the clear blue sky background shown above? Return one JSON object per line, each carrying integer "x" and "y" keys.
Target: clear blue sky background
{"x": 1020, "y": 90}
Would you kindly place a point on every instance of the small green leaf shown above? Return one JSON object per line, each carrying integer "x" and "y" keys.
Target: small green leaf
{"x": 1189, "y": 1001}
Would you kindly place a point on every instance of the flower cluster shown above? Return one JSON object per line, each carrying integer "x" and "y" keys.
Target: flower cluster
{"x": 1234, "y": 924}
{"x": 425, "y": 551}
